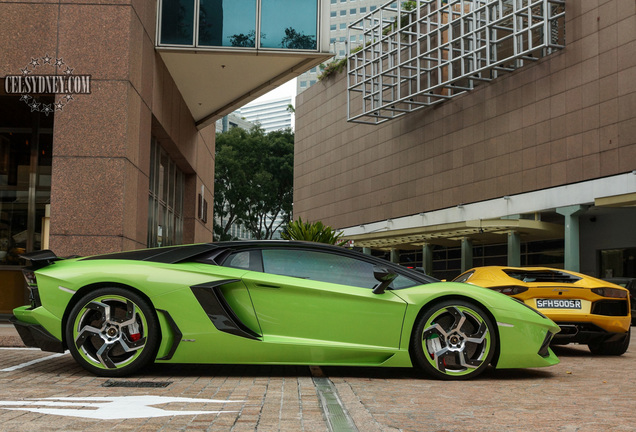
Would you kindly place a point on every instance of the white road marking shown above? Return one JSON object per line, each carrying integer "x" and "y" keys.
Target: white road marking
{"x": 111, "y": 408}
{"x": 23, "y": 365}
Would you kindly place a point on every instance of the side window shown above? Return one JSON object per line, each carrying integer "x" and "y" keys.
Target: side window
{"x": 247, "y": 260}
{"x": 319, "y": 266}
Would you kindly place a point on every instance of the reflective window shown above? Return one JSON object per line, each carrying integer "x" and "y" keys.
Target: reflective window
{"x": 177, "y": 21}
{"x": 230, "y": 23}
{"x": 343, "y": 26}
{"x": 334, "y": 14}
{"x": 332, "y": 27}
{"x": 319, "y": 266}
{"x": 352, "y": 11}
{"x": 165, "y": 203}
{"x": 363, "y": 9}
{"x": 289, "y": 24}
{"x": 343, "y": 12}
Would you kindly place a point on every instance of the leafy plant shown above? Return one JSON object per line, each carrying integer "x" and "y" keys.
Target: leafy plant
{"x": 336, "y": 66}
{"x": 312, "y": 231}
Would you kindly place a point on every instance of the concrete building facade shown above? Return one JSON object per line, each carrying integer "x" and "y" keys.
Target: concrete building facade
{"x": 534, "y": 167}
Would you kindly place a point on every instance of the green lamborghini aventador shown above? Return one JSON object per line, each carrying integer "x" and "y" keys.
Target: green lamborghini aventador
{"x": 271, "y": 302}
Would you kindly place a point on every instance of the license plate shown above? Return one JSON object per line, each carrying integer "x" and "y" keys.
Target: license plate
{"x": 558, "y": 304}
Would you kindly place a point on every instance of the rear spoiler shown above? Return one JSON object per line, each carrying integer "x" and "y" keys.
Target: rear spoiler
{"x": 41, "y": 258}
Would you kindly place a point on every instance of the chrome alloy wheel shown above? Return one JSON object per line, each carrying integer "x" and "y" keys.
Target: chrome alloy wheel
{"x": 110, "y": 331}
{"x": 454, "y": 340}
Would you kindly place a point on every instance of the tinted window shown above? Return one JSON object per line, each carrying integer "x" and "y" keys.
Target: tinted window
{"x": 319, "y": 266}
{"x": 248, "y": 260}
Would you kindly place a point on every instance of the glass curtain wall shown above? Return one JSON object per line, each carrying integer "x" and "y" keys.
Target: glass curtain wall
{"x": 26, "y": 142}
{"x": 282, "y": 24}
{"x": 165, "y": 203}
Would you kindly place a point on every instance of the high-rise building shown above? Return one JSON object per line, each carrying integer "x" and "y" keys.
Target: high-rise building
{"x": 232, "y": 120}
{"x": 341, "y": 14}
{"x": 271, "y": 115}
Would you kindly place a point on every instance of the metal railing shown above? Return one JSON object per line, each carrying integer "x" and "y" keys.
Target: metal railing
{"x": 418, "y": 53}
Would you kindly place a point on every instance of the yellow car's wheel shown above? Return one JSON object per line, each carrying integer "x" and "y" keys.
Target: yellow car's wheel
{"x": 616, "y": 348}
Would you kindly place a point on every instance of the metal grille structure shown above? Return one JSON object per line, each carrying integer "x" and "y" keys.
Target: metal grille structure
{"x": 418, "y": 53}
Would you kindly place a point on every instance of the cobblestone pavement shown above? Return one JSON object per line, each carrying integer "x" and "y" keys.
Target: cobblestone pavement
{"x": 582, "y": 393}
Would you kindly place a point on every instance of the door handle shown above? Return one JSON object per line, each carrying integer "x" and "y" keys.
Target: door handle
{"x": 262, "y": 285}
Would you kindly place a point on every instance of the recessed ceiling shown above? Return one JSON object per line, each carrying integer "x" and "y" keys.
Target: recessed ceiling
{"x": 214, "y": 84}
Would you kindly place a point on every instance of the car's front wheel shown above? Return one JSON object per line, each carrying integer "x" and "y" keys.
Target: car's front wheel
{"x": 112, "y": 332}
{"x": 616, "y": 348}
{"x": 453, "y": 339}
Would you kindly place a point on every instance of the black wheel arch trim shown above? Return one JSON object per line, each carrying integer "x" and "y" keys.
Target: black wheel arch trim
{"x": 213, "y": 302}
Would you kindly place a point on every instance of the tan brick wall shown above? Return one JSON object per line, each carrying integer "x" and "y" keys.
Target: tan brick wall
{"x": 569, "y": 118}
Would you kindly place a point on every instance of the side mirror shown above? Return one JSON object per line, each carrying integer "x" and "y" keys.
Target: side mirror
{"x": 385, "y": 277}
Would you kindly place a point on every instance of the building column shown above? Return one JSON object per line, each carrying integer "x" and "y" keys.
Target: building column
{"x": 514, "y": 249}
{"x": 571, "y": 214}
{"x": 366, "y": 250}
{"x": 427, "y": 258}
{"x": 467, "y": 254}
{"x": 395, "y": 256}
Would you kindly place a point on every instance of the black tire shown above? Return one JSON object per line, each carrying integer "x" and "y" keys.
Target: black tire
{"x": 453, "y": 340}
{"x": 615, "y": 348}
{"x": 112, "y": 332}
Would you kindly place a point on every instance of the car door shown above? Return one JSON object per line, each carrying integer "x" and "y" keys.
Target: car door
{"x": 314, "y": 297}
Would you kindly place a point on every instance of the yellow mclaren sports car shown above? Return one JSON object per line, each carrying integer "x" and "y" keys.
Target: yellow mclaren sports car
{"x": 588, "y": 310}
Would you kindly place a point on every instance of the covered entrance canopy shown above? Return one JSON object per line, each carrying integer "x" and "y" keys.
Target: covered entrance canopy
{"x": 489, "y": 231}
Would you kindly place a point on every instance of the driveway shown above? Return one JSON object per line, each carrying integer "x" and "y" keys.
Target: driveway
{"x": 45, "y": 392}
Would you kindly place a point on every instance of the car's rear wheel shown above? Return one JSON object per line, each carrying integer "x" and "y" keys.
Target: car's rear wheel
{"x": 453, "y": 340}
{"x": 615, "y": 348}
{"x": 112, "y": 332}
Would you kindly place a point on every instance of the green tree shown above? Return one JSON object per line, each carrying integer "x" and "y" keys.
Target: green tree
{"x": 312, "y": 231}
{"x": 253, "y": 181}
